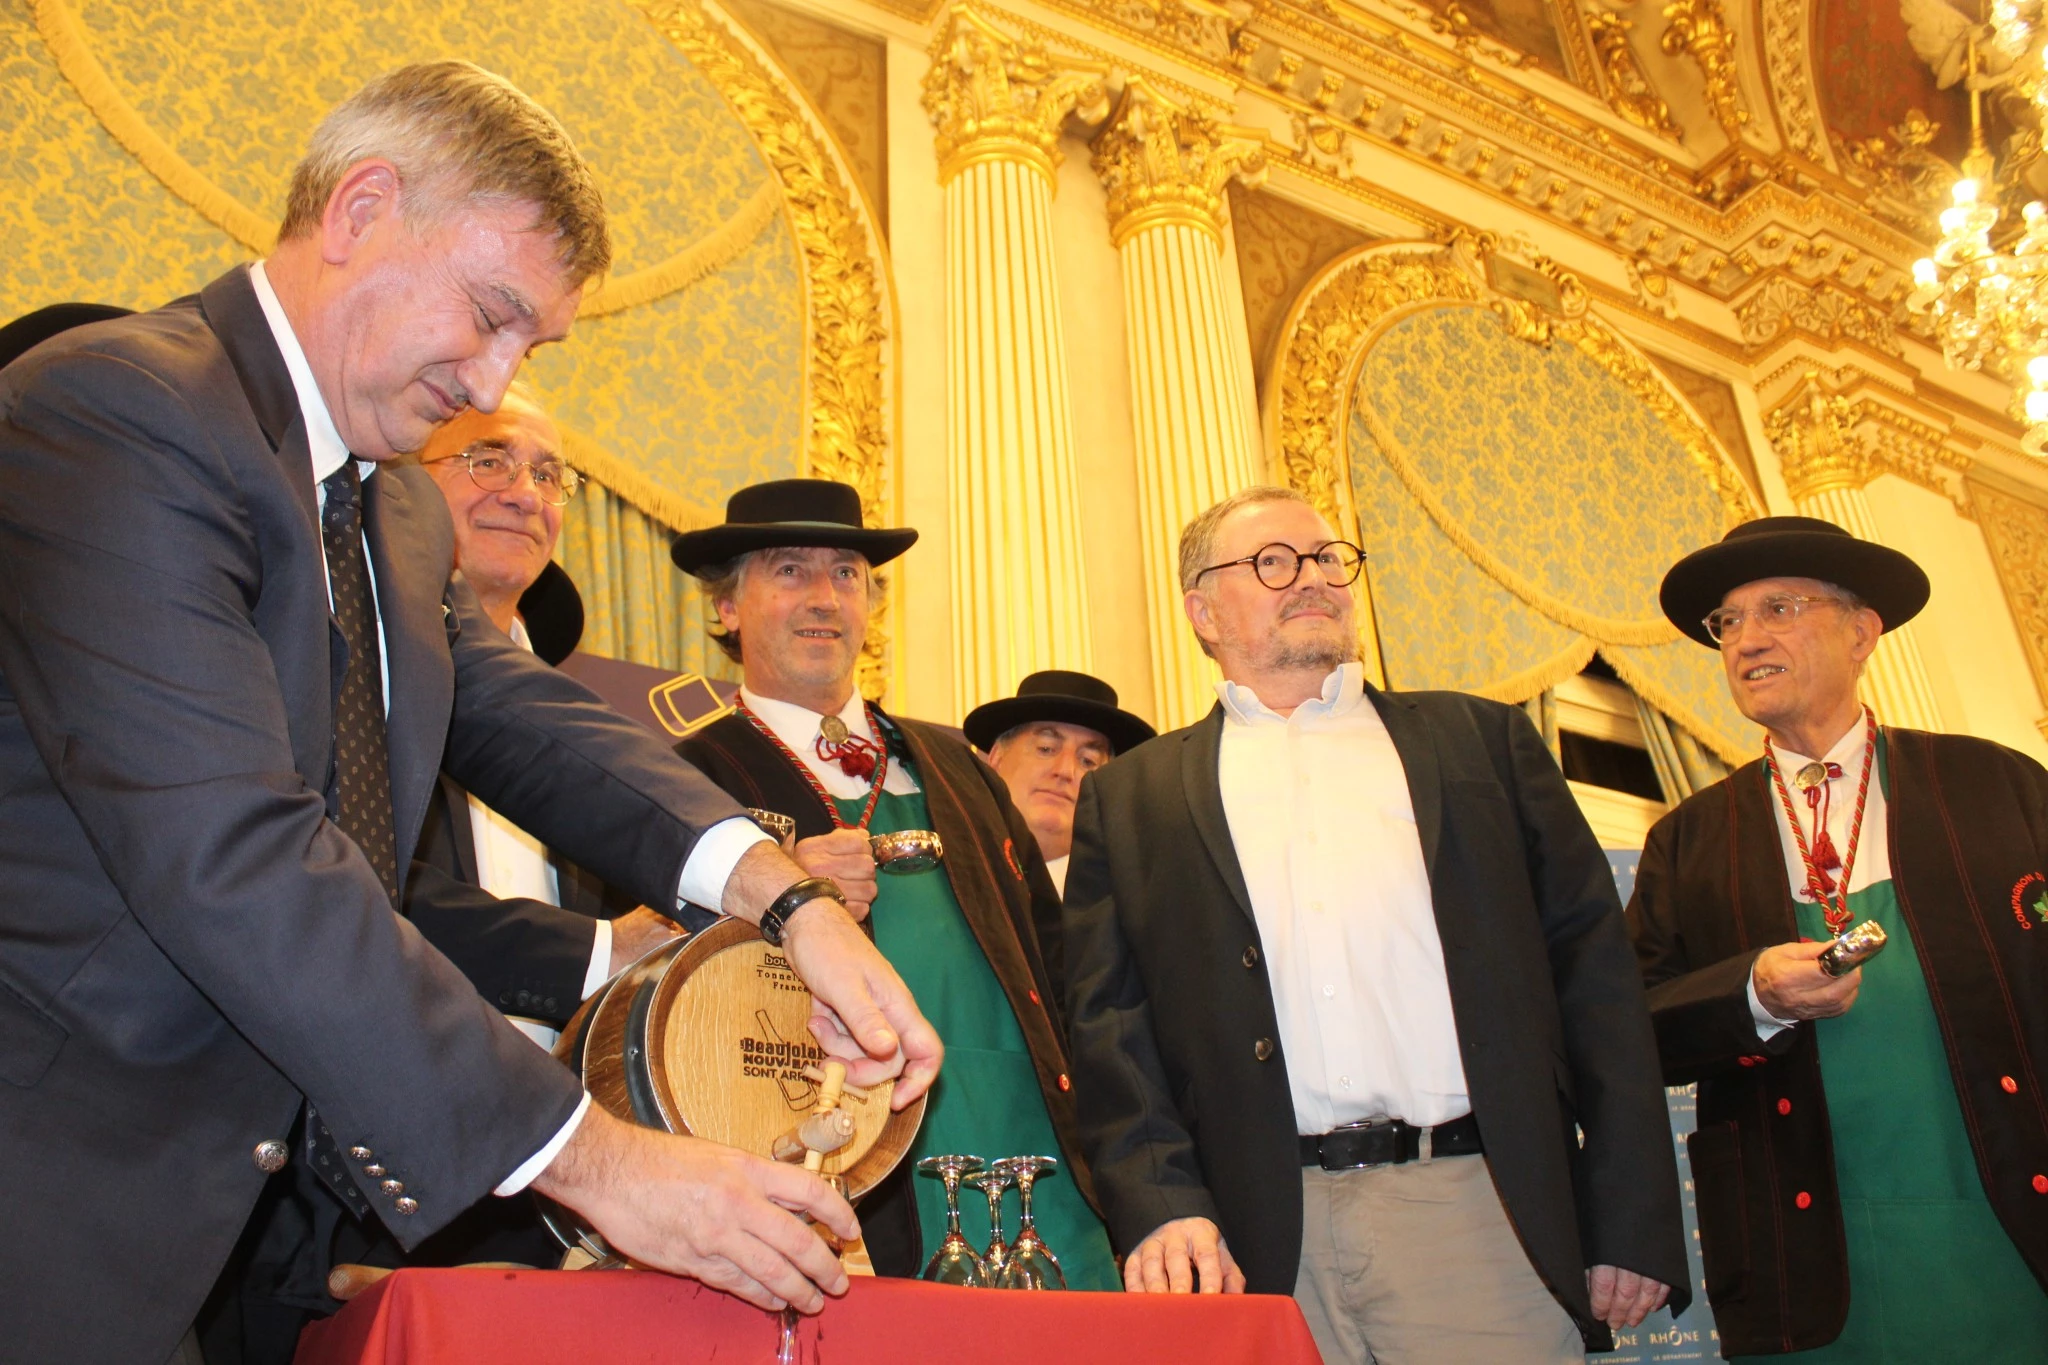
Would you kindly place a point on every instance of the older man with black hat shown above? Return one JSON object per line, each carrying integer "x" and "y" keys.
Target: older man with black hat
{"x": 1060, "y": 727}
{"x": 790, "y": 574}
{"x": 1872, "y": 1155}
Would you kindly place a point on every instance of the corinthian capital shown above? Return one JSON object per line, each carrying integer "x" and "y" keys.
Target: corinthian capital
{"x": 1164, "y": 162}
{"x": 996, "y": 97}
{"x": 1814, "y": 433}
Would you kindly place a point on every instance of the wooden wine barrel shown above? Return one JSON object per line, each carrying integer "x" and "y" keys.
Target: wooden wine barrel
{"x": 710, "y": 1037}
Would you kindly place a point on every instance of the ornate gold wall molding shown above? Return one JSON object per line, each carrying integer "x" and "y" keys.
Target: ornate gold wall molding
{"x": 992, "y": 96}
{"x": 1163, "y": 161}
{"x": 1629, "y": 91}
{"x": 1699, "y": 30}
{"x": 1786, "y": 24}
{"x": 1823, "y": 311}
{"x": 2016, "y": 533}
{"x": 1332, "y": 328}
{"x": 1835, "y": 431}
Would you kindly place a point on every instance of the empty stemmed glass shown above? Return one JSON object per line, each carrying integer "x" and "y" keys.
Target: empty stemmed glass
{"x": 1030, "y": 1264}
{"x": 993, "y": 1182}
{"x": 955, "y": 1261}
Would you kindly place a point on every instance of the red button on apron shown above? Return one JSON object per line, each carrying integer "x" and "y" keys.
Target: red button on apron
{"x": 1034, "y": 997}
{"x": 1065, "y": 1084}
{"x": 2041, "y": 1184}
{"x": 1803, "y": 1200}
{"x": 2008, "y": 1085}
{"x": 1784, "y": 1106}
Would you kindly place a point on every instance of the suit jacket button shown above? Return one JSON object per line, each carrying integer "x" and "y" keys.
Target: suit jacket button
{"x": 1263, "y": 1049}
{"x": 548, "y": 1004}
{"x": 270, "y": 1155}
{"x": 407, "y": 1205}
{"x": 1251, "y": 957}
{"x": 393, "y": 1187}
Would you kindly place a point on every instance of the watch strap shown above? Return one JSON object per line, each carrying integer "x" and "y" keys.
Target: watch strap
{"x": 795, "y": 898}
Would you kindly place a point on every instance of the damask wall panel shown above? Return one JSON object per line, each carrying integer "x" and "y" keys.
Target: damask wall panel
{"x": 1523, "y": 476}
{"x": 146, "y": 148}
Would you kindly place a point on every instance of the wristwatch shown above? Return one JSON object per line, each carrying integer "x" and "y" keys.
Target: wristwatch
{"x": 790, "y": 901}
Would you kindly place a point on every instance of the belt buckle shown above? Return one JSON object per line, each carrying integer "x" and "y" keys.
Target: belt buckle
{"x": 1366, "y": 1145}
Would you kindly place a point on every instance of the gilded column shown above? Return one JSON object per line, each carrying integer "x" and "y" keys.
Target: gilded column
{"x": 1165, "y": 167}
{"x": 1019, "y": 574}
{"x": 1827, "y": 464}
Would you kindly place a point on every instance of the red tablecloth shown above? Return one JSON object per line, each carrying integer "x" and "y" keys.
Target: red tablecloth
{"x": 552, "y": 1317}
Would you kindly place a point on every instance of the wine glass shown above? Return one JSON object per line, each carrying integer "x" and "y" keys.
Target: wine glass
{"x": 1030, "y": 1264}
{"x": 954, "y": 1262}
{"x": 993, "y": 1183}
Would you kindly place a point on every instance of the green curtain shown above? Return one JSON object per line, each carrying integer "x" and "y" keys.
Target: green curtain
{"x": 1683, "y": 764}
{"x": 636, "y": 604}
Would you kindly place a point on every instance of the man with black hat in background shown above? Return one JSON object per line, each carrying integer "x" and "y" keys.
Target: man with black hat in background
{"x": 1060, "y": 727}
{"x": 1872, "y": 1155}
{"x": 790, "y": 575}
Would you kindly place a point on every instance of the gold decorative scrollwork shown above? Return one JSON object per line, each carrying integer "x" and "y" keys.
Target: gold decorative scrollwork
{"x": 1333, "y": 326}
{"x": 1699, "y": 29}
{"x": 2016, "y": 532}
{"x": 992, "y": 95}
{"x": 1628, "y": 90}
{"x": 848, "y": 436}
{"x": 1163, "y": 161}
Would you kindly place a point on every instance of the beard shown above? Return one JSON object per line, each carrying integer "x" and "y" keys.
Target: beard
{"x": 1326, "y": 649}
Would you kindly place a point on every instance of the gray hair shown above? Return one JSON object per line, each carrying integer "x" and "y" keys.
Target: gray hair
{"x": 457, "y": 134}
{"x": 1198, "y": 540}
{"x": 721, "y": 583}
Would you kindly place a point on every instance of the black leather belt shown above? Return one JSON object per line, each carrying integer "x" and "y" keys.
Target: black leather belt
{"x": 1389, "y": 1143}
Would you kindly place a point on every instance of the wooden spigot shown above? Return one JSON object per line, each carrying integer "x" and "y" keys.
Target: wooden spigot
{"x": 828, "y": 1104}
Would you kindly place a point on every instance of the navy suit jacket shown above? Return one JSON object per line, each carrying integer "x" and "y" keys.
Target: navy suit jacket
{"x": 190, "y": 949}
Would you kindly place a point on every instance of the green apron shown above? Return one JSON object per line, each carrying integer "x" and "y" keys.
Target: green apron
{"x": 1932, "y": 1275}
{"x": 986, "y": 1100}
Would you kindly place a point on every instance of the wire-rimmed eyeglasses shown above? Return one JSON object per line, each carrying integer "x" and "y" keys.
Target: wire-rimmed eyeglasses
{"x": 1278, "y": 566}
{"x": 1775, "y": 613}
{"x": 495, "y": 471}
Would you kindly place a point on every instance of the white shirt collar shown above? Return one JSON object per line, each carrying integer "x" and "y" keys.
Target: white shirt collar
{"x": 1343, "y": 689}
{"x": 1846, "y": 754}
{"x": 325, "y": 443}
{"x": 797, "y": 726}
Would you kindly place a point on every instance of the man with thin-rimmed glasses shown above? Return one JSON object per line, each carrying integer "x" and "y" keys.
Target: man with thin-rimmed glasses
{"x": 1347, "y": 974}
{"x": 1871, "y": 1160}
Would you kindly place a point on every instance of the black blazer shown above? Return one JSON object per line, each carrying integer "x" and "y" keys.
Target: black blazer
{"x": 1005, "y": 895}
{"x": 1968, "y": 822}
{"x": 525, "y": 956}
{"x": 1185, "y": 1108}
{"x": 190, "y": 949}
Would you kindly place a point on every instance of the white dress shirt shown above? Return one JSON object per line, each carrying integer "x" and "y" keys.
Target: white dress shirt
{"x": 512, "y": 863}
{"x": 1873, "y": 848}
{"x": 1324, "y": 828}
{"x": 717, "y": 850}
{"x": 1057, "y": 867}
{"x": 797, "y": 727}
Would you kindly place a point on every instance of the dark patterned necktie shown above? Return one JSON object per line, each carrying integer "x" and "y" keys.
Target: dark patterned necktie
{"x": 361, "y": 754}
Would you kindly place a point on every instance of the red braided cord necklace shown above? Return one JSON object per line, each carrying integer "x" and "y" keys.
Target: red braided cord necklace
{"x": 831, "y": 806}
{"x": 1835, "y": 911}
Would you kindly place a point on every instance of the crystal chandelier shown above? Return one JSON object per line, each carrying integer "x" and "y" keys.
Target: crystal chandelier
{"x": 1989, "y": 307}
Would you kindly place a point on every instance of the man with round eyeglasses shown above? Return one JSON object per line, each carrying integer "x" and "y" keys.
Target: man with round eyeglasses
{"x": 1871, "y": 1161}
{"x": 1346, "y": 973}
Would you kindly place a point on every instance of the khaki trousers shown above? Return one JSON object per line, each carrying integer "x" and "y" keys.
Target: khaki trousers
{"x": 1418, "y": 1263}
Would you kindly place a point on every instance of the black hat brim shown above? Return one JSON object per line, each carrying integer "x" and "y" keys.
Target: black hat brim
{"x": 552, "y": 609}
{"x": 1893, "y": 585}
{"x": 713, "y": 545}
{"x": 989, "y": 722}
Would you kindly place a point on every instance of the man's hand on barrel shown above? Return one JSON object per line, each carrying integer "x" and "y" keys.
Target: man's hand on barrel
{"x": 704, "y": 1210}
{"x": 861, "y": 1011}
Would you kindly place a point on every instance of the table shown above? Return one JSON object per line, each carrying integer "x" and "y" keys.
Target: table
{"x": 554, "y": 1317}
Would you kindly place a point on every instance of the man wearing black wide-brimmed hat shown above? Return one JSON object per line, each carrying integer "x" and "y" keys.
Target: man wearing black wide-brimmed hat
{"x": 791, "y": 575}
{"x": 1060, "y": 727}
{"x": 1872, "y": 1155}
